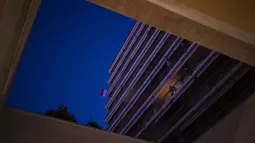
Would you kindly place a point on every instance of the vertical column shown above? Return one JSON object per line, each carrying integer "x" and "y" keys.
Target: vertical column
{"x": 16, "y": 20}
{"x": 246, "y": 127}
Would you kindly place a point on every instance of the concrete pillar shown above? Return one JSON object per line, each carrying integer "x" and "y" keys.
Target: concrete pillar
{"x": 225, "y": 130}
{"x": 237, "y": 127}
{"x": 246, "y": 127}
{"x": 225, "y": 26}
{"x": 16, "y": 20}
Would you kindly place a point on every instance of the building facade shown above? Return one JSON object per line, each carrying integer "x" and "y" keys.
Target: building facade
{"x": 164, "y": 88}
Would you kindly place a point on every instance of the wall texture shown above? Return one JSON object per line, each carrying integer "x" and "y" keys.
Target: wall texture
{"x": 16, "y": 20}
{"x": 211, "y": 23}
{"x": 18, "y": 126}
{"x": 237, "y": 127}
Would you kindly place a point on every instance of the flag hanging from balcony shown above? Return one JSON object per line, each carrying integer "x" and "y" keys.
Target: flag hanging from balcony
{"x": 103, "y": 92}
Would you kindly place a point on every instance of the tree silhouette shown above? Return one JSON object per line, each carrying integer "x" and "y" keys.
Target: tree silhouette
{"x": 93, "y": 124}
{"x": 61, "y": 113}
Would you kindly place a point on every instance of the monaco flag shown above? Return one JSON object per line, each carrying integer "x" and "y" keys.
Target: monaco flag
{"x": 103, "y": 92}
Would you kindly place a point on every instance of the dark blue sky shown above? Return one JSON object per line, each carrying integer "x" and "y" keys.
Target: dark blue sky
{"x": 67, "y": 57}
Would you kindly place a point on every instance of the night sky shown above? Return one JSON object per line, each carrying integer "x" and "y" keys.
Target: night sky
{"x": 67, "y": 57}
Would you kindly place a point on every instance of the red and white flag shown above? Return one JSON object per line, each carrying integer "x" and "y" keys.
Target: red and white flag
{"x": 103, "y": 92}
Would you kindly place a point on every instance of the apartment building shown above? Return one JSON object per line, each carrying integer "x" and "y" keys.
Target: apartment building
{"x": 165, "y": 88}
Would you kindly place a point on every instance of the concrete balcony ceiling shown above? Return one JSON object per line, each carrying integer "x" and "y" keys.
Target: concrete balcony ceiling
{"x": 225, "y": 26}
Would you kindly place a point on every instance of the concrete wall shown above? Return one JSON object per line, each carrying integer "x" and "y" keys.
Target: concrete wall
{"x": 237, "y": 127}
{"x": 238, "y": 13}
{"x": 225, "y": 26}
{"x": 18, "y": 126}
{"x": 16, "y": 20}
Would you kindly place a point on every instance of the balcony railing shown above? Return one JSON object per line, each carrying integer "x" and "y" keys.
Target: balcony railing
{"x": 130, "y": 61}
{"x": 129, "y": 77}
{"x": 123, "y": 47}
{"x": 145, "y": 46}
{"x": 226, "y": 81}
{"x": 174, "y": 117}
{"x": 125, "y": 53}
{"x": 154, "y": 71}
{"x": 178, "y": 54}
{"x": 180, "y": 61}
{"x": 241, "y": 70}
{"x": 242, "y": 90}
{"x": 154, "y": 84}
{"x": 133, "y": 50}
{"x": 144, "y": 63}
{"x": 199, "y": 67}
{"x": 117, "y": 112}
